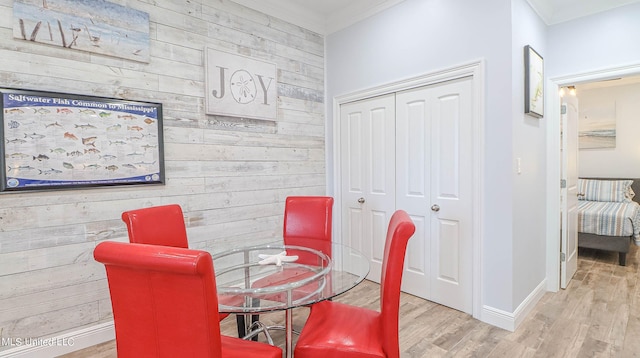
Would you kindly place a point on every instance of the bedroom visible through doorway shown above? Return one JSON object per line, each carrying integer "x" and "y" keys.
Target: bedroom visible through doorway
{"x": 611, "y": 90}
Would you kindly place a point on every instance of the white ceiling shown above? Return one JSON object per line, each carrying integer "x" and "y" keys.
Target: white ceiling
{"x": 557, "y": 11}
{"x": 321, "y": 16}
{"x": 327, "y": 16}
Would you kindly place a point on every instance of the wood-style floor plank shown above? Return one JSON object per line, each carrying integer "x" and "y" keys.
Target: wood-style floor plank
{"x": 598, "y": 315}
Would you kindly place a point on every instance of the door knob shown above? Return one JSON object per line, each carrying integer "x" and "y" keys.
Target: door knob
{"x": 361, "y": 200}
{"x": 435, "y": 207}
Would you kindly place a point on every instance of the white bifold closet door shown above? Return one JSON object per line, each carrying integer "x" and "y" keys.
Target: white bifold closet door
{"x": 412, "y": 150}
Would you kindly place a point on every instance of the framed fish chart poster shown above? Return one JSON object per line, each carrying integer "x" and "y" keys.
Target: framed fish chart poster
{"x": 60, "y": 141}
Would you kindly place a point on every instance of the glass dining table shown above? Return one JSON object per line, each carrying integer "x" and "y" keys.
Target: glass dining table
{"x": 277, "y": 277}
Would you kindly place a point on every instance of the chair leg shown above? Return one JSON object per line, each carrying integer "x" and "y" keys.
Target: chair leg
{"x": 257, "y": 328}
{"x": 241, "y": 327}
{"x": 242, "y": 330}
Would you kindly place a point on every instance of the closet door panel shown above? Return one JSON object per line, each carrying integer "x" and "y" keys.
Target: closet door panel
{"x": 451, "y": 196}
{"x": 367, "y": 168}
{"x": 413, "y": 157}
{"x": 446, "y": 153}
{"x": 355, "y": 167}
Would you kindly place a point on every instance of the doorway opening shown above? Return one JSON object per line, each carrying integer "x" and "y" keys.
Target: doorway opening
{"x": 554, "y": 149}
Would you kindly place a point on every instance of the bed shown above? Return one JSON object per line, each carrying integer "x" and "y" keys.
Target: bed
{"x": 609, "y": 215}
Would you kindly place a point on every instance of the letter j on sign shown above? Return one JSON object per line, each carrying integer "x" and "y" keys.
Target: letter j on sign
{"x": 240, "y": 86}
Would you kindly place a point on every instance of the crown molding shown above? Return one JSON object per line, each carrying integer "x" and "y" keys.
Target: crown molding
{"x": 294, "y": 11}
{"x": 288, "y": 11}
{"x": 356, "y": 12}
{"x": 553, "y": 12}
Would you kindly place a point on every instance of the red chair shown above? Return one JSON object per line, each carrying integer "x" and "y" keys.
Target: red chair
{"x": 307, "y": 222}
{"x": 339, "y": 330}
{"x": 165, "y": 304}
{"x": 164, "y": 225}
{"x": 157, "y": 225}
{"x": 308, "y": 219}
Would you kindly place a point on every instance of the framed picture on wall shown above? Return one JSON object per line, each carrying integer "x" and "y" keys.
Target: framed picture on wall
{"x": 62, "y": 141}
{"x": 240, "y": 86}
{"x": 533, "y": 83}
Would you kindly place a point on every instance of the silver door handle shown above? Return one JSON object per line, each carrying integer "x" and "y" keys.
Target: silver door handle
{"x": 435, "y": 207}
{"x": 361, "y": 200}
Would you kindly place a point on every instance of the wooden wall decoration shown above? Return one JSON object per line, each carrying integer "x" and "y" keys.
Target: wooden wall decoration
{"x": 229, "y": 174}
{"x": 240, "y": 86}
{"x": 93, "y": 26}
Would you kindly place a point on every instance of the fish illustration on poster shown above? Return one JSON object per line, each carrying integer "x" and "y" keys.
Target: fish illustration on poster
{"x": 53, "y": 140}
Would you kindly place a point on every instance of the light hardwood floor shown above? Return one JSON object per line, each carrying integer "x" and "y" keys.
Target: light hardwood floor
{"x": 598, "y": 315}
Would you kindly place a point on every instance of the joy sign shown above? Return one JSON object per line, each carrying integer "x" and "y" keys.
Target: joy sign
{"x": 240, "y": 86}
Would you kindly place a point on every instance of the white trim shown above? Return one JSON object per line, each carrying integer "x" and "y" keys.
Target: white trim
{"x": 473, "y": 69}
{"x": 553, "y": 187}
{"x": 498, "y": 318}
{"x": 64, "y": 343}
{"x": 529, "y": 303}
{"x": 511, "y": 321}
{"x": 553, "y": 159}
{"x": 478, "y": 187}
{"x": 338, "y": 18}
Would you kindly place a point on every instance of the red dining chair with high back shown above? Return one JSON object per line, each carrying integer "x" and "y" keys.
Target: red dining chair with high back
{"x": 336, "y": 329}
{"x": 164, "y": 225}
{"x": 165, "y": 304}
{"x": 307, "y": 223}
{"x": 157, "y": 225}
{"x": 308, "y": 216}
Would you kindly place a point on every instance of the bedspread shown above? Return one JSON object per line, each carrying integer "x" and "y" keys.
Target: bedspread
{"x": 609, "y": 218}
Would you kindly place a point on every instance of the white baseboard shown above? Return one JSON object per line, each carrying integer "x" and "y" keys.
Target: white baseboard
{"x": 62, "y": 344}
{"x": 511, "y": 321}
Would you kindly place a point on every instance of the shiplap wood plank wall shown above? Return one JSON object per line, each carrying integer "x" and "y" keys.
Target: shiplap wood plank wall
{"x": 230, "y": 175}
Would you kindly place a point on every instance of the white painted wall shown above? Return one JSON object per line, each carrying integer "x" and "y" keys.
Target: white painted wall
{"x": 602, "y": 41}
{"x": 529, "y": 145}
{"x": 417, "y": 37}
{"x": 623, "y": 161}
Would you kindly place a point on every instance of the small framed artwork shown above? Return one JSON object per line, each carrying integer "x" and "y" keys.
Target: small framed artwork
{"x": 62, "y": 141}
{"x": 533, "y": 83}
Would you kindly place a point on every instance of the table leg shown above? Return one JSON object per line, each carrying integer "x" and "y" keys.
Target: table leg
{"x": 288, "y": 324}
{"x": 289, "y": 332}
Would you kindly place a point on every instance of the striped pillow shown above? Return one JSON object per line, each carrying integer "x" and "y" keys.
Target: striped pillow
{"x": 605, "y": 190}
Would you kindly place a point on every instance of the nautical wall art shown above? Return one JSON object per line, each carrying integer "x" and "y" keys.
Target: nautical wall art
{"x": 597, "y": 126}
{"x": 240, "y": 86}
{"x": 54, "y": 141}
{"x": 95, "y": 26}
